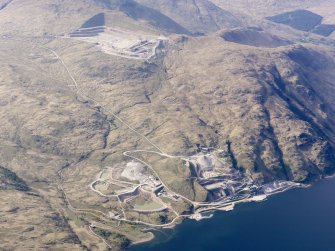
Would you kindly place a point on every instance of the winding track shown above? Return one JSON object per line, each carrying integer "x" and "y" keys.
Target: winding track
{"x": 99, "y": 214}
{"x": 128, "y": 154}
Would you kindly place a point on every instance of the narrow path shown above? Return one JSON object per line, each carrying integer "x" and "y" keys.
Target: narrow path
{"x": 128, "y": 154}
{"x": 91, "y": 230}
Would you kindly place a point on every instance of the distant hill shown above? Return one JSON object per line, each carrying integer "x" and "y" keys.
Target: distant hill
{"x": 198, "y": 16}
{"x": 138, "y": 11}
{"x": 152, "y": 16}
{"x": 178, "y": 17}
{"x": 65, "y": 17}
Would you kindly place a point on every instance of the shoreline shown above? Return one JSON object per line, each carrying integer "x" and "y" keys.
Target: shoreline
{"x": 243, "y": 223}
{"x": 226, "y": 208}
{"x": 150, "y": 238}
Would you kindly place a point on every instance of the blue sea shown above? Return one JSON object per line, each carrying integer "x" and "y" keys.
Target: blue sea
{"x": 301, "y": 219}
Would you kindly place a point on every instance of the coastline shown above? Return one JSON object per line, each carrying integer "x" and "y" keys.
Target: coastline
{"x": 225, "y": 208}
{"x": 150, "y": 238}
{"x": 251, "y": 220}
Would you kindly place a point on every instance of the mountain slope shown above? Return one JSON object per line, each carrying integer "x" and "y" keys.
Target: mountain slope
{"x": 198, "y": 16}
{"x": 59, "y": 17}
{"x": 117, "y": 111}
{"x": 154, "y": 17}
{"x": 271, "y": 109}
